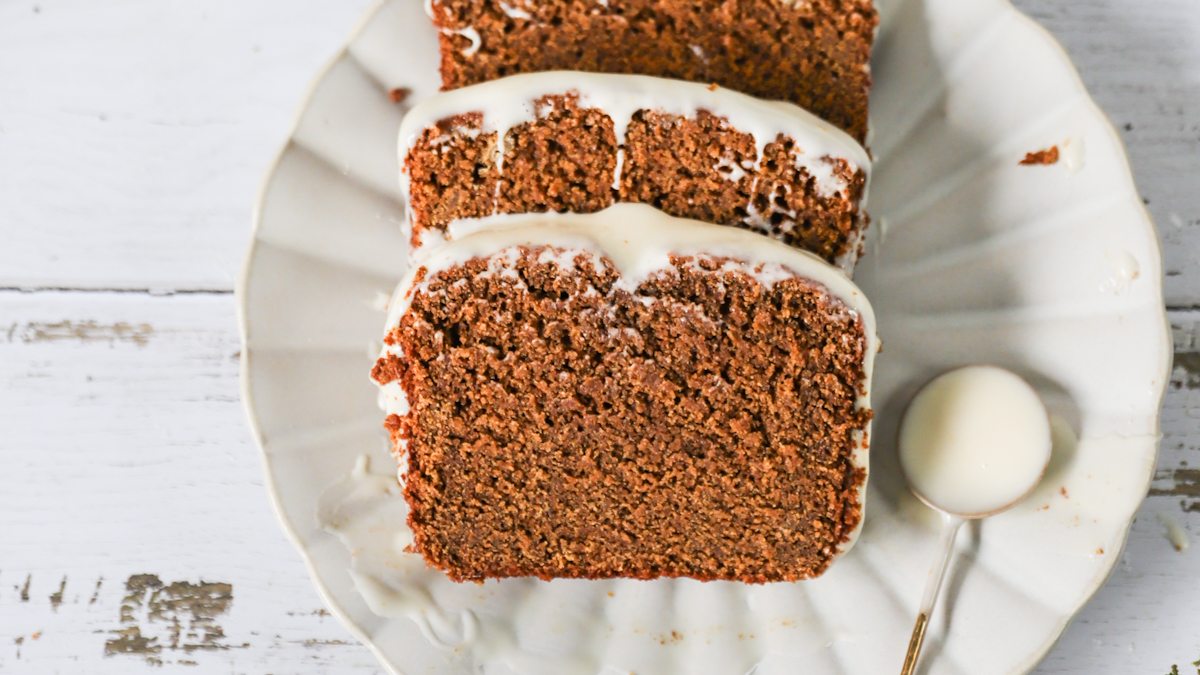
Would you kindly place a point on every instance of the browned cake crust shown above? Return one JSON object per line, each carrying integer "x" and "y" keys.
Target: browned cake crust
{"x": 564, "y": 161}
{"x": 702, "y": 426}
{"x": 813, "y": 53}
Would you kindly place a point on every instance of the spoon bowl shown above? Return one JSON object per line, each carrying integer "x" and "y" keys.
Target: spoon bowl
{"x": 973, "y": 442}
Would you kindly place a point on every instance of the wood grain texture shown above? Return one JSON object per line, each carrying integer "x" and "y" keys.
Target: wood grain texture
{"x": 125, "y": 452}
{"x": 133, "y": 133}
{"x": 135, "y": 534}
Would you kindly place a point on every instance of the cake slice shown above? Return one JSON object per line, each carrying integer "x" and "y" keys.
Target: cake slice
{"x": 814, "y": 53}
{"x": 628, "y": 394}
{"x": 579, "y": 142}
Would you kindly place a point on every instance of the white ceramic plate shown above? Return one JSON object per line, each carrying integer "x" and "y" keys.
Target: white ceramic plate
{"x": 1053, "y": 271}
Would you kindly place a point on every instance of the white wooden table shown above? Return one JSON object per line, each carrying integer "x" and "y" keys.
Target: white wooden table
{"x": 135, "y": 534}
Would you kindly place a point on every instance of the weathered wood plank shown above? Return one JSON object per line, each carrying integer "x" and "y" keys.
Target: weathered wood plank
{"x": 133, "y": 133}
{"x": 132, "y": 496}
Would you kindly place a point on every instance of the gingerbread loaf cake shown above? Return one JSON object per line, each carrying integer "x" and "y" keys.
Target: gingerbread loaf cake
{"x": 580, "y": 142}
{"x": 628, "y": 394}
{"x": 813, "y": 53}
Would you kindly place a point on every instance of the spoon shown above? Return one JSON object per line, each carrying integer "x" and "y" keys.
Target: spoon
{"x": 974, "y": 441}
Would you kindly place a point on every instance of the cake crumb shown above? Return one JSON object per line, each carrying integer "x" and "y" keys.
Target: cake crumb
{"x": 713, "y": 86}
{"x": 1042, "y": 157}
{"x": 567, "y": 158}
{"x": 642, "y": 483}
{"x": 832, "y": 81}
{"x": 399, "y": 94}
{"x": 1063, "y": 490}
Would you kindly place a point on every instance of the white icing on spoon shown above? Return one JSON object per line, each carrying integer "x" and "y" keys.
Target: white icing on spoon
{"x": 973, "y": 442}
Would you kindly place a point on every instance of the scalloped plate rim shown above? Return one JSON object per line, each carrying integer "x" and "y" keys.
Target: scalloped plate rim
{"x": 246, "y": 270}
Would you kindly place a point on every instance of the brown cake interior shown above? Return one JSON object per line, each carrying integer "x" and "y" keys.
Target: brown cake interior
{"x": 701, "y": 426}
{"x": 564, "y": 161}
{"x": 813, "y": 53}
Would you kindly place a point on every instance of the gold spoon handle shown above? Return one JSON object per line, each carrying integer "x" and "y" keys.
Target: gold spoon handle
{"x": 933, "y": 585}
{"x": 914, "y": 644}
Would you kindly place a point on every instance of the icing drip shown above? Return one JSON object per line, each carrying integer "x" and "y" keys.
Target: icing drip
{"x": 513, "y": 12}
{"x": 730, "y": 170}
{"x": 471, "y": 34}
{"x": 619, "y": 169}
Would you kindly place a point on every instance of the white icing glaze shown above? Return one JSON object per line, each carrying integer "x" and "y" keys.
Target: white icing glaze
{"x": 1123, "y": 269}
{"x": 514, "y": 12}
{"x": 509, "y": 102}
{"x": 639, "y": 241}
{"x": 1073, "y": 154}
{"x": 974, "y": 441}
{"x": 380, "y": 301}
{"x": 616, "y": 184}
{"x": 471, "y": 34}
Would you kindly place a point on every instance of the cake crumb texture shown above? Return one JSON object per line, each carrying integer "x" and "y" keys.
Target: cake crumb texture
{"x": 561, "y": 425}
{"x": 814, "y": 53}
{"x": 1041, "y": 157}
{"x": 567, "y": 159}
